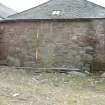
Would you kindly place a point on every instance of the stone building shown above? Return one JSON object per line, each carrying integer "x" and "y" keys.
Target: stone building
{"x": 51, "y": 34}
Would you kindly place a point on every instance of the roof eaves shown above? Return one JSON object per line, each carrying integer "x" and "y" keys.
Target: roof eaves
{"x": 44, "y": 20}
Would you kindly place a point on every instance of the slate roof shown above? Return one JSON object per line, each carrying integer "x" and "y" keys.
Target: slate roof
{"x": 5, "y": 11}
{"x": 69, "y": 9}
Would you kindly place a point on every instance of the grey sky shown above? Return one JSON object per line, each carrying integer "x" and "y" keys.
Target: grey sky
{"x": 20, "y": 5}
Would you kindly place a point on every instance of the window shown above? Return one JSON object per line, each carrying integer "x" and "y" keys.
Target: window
{"x": 56, "y": 12}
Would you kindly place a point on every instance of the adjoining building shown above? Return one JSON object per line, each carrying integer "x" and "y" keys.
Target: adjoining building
{"x": 1, "y": 18}
{"x": 51, "y": 34}
{"x": 5, "y": 11}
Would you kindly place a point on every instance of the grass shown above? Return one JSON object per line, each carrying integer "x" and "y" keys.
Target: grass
{"x": 17, "y": 87}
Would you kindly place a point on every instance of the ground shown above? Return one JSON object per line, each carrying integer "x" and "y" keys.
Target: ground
{"x": 24, "y": 87}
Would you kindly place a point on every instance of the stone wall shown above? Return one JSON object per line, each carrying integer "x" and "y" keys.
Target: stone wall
{"x": 50, "y": 43}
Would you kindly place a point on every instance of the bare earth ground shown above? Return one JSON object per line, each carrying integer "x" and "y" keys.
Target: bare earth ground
{"x": 22, "y": 87}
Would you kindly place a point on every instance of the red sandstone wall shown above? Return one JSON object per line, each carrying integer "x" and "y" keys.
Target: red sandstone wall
{"x": 48, "y": 44}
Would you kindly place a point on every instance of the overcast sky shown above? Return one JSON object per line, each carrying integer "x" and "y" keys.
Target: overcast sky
{"x": 20, "y": 5}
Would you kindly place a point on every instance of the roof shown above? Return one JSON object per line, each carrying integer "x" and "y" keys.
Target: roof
{"x": 5, "y": 11}
{"x": 1, "y": 18}
{"x": 66, "y": 9}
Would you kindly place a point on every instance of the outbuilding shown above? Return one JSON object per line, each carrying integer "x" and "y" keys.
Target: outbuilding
{"x": 54, "y": 34}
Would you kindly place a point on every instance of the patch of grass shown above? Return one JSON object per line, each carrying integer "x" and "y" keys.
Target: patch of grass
{"x": 52, "y": 89}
